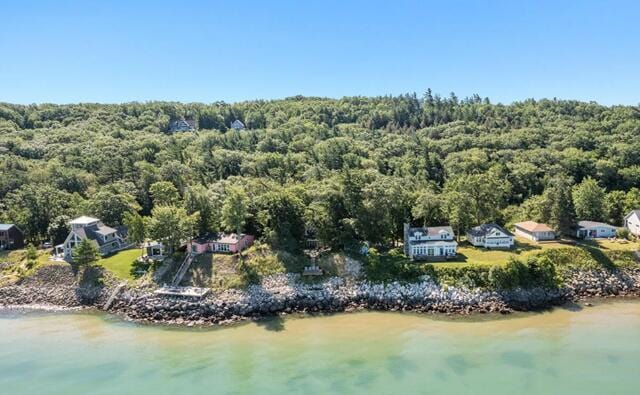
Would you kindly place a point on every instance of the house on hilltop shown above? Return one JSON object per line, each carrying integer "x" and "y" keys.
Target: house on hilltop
{"x": 490, "y": 236}
{"x": 237, "y": 125}
{"x": 11, "y": 237}
{"x": 429, "y": 243}
{"x": 182, "y": 125}
{"x": 632, "y": 222}
{"x": 534, "y": 231}
{"x": 108, "y": 240}
{"x": 595, "y": 230}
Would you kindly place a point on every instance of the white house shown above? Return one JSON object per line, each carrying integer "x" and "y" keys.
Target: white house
{"x": 237, "y": 125}
{"x": 105, "y": 238}
{"x": 534, "y": 231}
{"x": 632, "y": 222}
{"x": 182, "y": 125}
{"x": 490, "y": 236}
{"x": 595, "y": 230}
{"x": 434, "y": 242}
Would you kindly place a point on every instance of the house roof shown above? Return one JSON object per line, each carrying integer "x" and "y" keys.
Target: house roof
{"x": 435, "y": 243}
{"x": 6, "y": 226}
{"x": 105, "y": 230}
{"x": 484, "y": 229}
{"x": 223, "y": 238}
{"x": 432, "y": 230}
{"x": 593, "y": 224}
{"x": 532, "y": 226}
{"x": 636, "y": 212}
{"x": 92, "y": 232}
{"x": 83, "y": 220}
{"x": 237, "y": 124}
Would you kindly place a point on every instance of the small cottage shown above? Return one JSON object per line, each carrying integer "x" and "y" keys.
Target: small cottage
{"x": 221, "y": 242}
{"x": 632, "y": 222}
{"x": 11, "y": 237}
{"x": 182, "y": 125}
{"x": 154, "y": 250}
{"x": 237, "y": 125}
{"x": 490, "y": 236}
{"x": 534, "y": 231}
{"x": 429, "y": 243}
{"x": 595, "y": 230}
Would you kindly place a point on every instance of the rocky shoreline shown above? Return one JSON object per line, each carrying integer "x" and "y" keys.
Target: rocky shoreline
{"x": 55, "y": 288}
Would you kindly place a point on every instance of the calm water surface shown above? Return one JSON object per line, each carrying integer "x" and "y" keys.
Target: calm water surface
{"x": 592, "y": 351}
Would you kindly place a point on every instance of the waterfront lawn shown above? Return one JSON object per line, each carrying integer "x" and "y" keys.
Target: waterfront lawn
{"x": 470, "y": 255}
{"x": 19, "y": 265}
{"x": 123, "y": 264}
{"x": 223, "y": 271}
{"x": 614, "y": 245}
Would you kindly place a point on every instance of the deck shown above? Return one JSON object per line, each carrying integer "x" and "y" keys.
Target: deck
{"x": 189, "y": 292}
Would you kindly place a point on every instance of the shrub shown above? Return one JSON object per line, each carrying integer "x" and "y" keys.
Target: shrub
{"x": 623, "y": 233}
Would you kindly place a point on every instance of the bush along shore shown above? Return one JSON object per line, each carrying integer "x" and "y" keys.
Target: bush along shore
{"x": 54, "y": 287}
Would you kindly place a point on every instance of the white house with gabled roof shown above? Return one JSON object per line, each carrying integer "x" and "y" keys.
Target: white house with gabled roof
{"x": 433, "y": 242}
{"x": 632, "y": 222}
{"x": 490, "y": 236}
{"x": 106, "y": 239}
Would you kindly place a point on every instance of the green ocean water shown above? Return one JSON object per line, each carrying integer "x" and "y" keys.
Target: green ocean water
{"x": 591, "y": 351}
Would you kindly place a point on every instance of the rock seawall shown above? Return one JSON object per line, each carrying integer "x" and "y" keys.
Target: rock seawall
{"x": 284, "y": 294}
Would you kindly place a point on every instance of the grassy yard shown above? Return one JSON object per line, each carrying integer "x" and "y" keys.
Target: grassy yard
{"x": 471, "y": 255}
{"x": 19, "y": 265}
{"x": 123, "y": 264}
{"x": 224, "y": 271}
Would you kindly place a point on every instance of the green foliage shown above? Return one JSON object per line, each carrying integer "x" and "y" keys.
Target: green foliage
{"x": 235, "y": 209}
{"x": 137, "y": 228}
{"x": 345, "y": 170}
{"x": 171, "y": 225}
{"x": 164, "y": 193}
{"x": 32, "y": 255}
{"x": 623, "y": 233}
{"x": 85, "y": 253}
{"x": 588, "y": 199}
{"x": 534, "y": 272}
{"x": 281, "y": 216}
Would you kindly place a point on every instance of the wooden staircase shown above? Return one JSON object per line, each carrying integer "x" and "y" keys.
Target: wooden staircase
{"x": 182, "y": 270}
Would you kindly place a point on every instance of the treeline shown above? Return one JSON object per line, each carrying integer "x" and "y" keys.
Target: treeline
{"x": 344, "y": 171}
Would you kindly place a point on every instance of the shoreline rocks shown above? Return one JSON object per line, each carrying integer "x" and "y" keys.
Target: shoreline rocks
{"x": 285, "y": 294}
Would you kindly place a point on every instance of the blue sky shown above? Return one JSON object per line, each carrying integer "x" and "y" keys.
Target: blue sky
{"x": 204, "y": 51}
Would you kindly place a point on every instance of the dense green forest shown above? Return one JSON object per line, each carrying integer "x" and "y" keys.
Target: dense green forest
{"x": 347, "y": 170}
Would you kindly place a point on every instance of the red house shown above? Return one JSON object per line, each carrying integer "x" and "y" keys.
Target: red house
{"x": 221, "y": 242}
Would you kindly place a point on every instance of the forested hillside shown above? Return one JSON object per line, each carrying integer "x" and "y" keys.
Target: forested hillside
{"x": 349, "y": 170}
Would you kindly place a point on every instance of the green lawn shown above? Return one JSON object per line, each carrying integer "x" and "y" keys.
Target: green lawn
{"x": 468, "y": 254}
{"x": 122, "y": 263}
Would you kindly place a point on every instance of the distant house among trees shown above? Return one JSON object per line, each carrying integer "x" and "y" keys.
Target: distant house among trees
{"x": 221, "y": 242}
{"x": 490, "y": 236}
{"x": 108, "y": 240}
{"x": 237, "y": 125}
{"x": 182, "y": 125}
{"x": 632, "y": 222}
{"x": 595, "y": 230}
{"x": 535, "y": 231}
{"x": 11, "y": 237}
{"x": 434, "y": 242}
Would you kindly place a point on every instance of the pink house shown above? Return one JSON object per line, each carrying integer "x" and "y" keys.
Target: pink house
{"x": 221, "y": 242}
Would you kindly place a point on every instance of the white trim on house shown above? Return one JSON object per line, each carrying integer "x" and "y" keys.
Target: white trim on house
{"x": 534, "y": 231}
{"x": 595, "y": 230}
{"x": 490, "y": 236}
